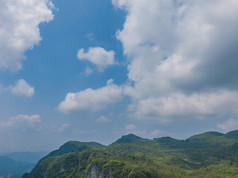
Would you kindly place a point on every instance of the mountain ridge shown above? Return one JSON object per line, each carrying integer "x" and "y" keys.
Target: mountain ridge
{"x": 132, "y": 156}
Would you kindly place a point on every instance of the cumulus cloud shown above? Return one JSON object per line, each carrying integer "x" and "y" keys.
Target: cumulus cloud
{"x": 22, "y": 88}
{"x": 182, "y": 57}
{"x": 97, "y": 56}
{"x": 19, "y": 29}
{"x": 179, "y": 106}
{"x": 22, "y": 122}
{"x": 228, "y": 125}
{"x": 92, "y": 100}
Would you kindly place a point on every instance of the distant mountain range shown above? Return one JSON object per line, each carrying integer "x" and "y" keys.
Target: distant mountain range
{"x": 14, "y": 165}
{"x": 211, "y": 154}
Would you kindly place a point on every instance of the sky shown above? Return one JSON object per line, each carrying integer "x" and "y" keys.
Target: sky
{"x": 90, "y": 70}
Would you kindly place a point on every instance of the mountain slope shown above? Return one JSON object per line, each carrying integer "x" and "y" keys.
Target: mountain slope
{"x": 128, "y": 138}
{"x": 211, "y": 154}
{"x": 75, "y": 146}
{"x": 232, "y": 134}
{"x": 12, "y": 168}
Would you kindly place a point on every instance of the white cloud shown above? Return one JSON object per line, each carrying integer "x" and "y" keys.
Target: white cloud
{"x": 164, "y": 109}
{"x": 19, "y": 31}
{"x": 22, "y": 88}
{"x": 98, "y": 56}
{"x": 102, "y": 119}
{"x": 22, "y": 122}
{"x": 182, "y": 55}
{"x": 92, "y": 100}
{"x": 228, "y": 125}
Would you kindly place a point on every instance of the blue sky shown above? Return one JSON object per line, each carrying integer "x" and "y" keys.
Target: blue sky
{"x": 95, "y": 70}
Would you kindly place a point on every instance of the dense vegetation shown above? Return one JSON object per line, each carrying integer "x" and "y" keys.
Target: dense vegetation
{"x": 211, "y": 154}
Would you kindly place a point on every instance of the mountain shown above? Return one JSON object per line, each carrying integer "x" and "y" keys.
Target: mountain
{"x": 211, "y": 154}
{"x": 30, "y": 157}
{"x": 233, "y": 134}
{"x": 74, "y": 146}
{"x": 12, "y": 168}
{"x": 128, "y": 138}
{"x": 15, "y": 164}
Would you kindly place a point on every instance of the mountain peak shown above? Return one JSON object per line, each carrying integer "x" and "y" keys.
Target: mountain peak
{"x": 206, "y": 135}
{"x": 232, "y": 133}
{"x": 76, "y": 146}
{"x": 132, "y": 136}
{"x": 129, "y": 138}
{"x": 133, "y": 156}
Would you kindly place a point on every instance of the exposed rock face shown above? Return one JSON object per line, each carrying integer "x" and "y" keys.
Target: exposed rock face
{"x": 98, "y": 173}
{"x": 95, "y": 173}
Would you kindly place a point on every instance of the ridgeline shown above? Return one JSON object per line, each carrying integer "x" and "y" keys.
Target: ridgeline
{"x": 211, "y": 154}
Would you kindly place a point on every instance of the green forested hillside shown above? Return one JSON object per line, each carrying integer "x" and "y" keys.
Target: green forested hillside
{"x": 210, "y": 154}
{"x": 74, "y": 146}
